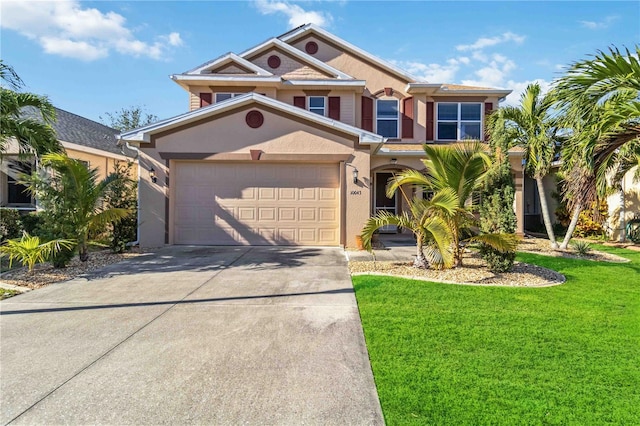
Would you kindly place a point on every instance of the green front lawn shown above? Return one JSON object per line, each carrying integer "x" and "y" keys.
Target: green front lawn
{"x": 453, "y": 355}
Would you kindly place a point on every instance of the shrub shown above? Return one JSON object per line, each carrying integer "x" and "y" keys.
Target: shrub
{"x": 123, "y": 193}
{"x": 32, "y": 223}
{"x": 497, "y": 215}
{"x": 10, "y": 224}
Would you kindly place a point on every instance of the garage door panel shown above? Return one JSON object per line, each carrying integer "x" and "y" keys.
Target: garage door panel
{"x": 263, "y": 204}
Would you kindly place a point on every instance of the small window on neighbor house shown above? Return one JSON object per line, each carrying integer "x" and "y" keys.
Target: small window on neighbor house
{"x": 459, "y": 121}
{"x": 17, "y": 194}
{"x": 317, "y": 105}
{"x": 387, "y": 113}
{"x": 220, "y": 97}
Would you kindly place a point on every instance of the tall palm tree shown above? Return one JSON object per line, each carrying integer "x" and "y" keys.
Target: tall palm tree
{"x": 602, "y": 93}
{"x": 32, "y": 136}
{"x": 534, "y": 128}
{"x": 453, "y": 173}
{"x": 72, "y": 192}
{"x": 600, "y": 99}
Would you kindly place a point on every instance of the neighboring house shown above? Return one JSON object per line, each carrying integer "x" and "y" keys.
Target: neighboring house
{"x": 82, "y": 139}
{"x": 624, "y": 206}
{"x": 293, "y": 141}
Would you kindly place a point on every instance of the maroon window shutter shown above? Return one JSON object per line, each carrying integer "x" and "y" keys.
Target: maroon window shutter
{"x": 407, "y": 118}
{"x": 300, "y": 102}
{"x": 367, "y": 114}
{"x": 206, "y": 99}
{"x": 334, "y": 107}
{"x": 488, "y": 107}
{"x": 430, "y": 121}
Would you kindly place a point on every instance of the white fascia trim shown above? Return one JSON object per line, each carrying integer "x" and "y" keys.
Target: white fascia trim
{"x": 214, "y": 77}
{"x": 274, "y": 42}
{"x": 228, "y": 58}
{"x": 93, "y": 151}
{"x": 386, "y": 152}
{"x": 144, "y": 133}
{"x": 358, "y": 51}
{"x": 343, "y": 83}
{"x": 438, "y": 89}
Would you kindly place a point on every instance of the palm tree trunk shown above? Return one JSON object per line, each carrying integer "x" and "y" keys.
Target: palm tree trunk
{"x": 420, "y": 261}
{"x": 545, "y": 213}
{"x": 572, "y": 226}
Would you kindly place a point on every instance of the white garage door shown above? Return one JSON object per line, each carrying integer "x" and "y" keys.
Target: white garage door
{"x": 256, "y": 204}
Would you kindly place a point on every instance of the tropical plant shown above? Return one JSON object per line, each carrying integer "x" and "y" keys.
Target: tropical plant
{"x": 72, "y": 198}
{"x": 582, "y": 248}
{"x": 452, "y": 173}
{"x": 123, "y": 194}
{"x": 32, "y": 136}
{"x": 534, "y": 128}
{"x": 423, "y": 218}
{"x": 29, "y": 250}
{"x": 600, "y": 100}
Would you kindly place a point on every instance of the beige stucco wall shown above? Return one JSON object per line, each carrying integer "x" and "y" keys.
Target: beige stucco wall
{"x": 347, "y": 102}
{"x": 104, "y": 164}
{"x": 290, "y": 68}
{"x": 629, "y": 210}
{"x": 229, "y": 135}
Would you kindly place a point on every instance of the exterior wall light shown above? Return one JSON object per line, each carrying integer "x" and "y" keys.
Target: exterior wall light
{"x": 394, "y": 161}
{"x": 355, "y": 175}
{"x": 152, "y": 175}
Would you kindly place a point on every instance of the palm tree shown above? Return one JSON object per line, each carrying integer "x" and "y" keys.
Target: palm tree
{"x": 453, "y": 173}
{"x": 600, "y": 100}
{"x": 535, "y": 129}
{"x": 427, "y": 225}
{"x": 32, "y": 136}
{"x": 72, "y": 193}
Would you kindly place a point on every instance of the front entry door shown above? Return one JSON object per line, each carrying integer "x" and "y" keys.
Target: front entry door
{"x": 382, "y": 202}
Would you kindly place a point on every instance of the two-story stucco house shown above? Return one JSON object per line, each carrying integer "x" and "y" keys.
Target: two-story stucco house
{"x": 292, "y": 142}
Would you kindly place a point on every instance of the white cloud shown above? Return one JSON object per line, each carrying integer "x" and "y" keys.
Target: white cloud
{"x": 68, "y": 29}
{"x": 430, "y": 72}
{"x": 296, "y": 14}
{"x": 599, "y": 25}
{"x": 483, "y": 42}
{"x": 519, "y": 87}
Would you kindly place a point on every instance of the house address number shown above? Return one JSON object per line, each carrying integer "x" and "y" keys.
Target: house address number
{"x": 356, "y": 192}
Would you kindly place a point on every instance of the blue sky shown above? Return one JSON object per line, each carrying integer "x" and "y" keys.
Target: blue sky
{"x": 95, "y": 57}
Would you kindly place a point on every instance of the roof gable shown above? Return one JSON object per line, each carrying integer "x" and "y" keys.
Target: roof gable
{"x": 295, "y": 53}
{"x": 144, "y": 134}
{"x": 311, "y": 29}
{"x": 227, "y": 62}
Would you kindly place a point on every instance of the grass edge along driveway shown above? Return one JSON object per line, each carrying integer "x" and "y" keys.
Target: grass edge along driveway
{"x": 453, "y": 354}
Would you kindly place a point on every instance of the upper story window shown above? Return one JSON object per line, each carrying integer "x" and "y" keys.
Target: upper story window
{"x": 387, "y": 114}
{"x": 317, "y": 104}
{"x": 459, "y": 121}
{"x": 224, "y": 96}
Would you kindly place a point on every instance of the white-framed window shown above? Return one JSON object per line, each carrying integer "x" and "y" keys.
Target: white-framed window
{"x": 220, "y": 97}
{"x": 459, "y": 121}
{"x": 317, "y": 104}
{"x": 387, "y": 117}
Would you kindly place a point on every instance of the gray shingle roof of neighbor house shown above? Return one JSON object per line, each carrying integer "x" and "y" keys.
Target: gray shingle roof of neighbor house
{"x": 78, "y": 130}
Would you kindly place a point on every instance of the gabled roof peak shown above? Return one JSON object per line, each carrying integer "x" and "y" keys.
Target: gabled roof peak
{"x": 298, "y": 32}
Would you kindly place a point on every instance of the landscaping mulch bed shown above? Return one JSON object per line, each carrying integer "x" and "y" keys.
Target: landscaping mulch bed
{"x": 45, "y": 274}
{"x": 475, "y": 272}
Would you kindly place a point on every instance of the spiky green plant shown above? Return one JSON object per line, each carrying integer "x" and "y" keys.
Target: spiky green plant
{"x": 29, "y": 250}
{"x": 582, "y": 248}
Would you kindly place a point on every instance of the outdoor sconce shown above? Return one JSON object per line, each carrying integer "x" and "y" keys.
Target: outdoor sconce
{"x": 355, "y": 175}
{"x": 394, "y": 161}
{"x": 152, "y": 175}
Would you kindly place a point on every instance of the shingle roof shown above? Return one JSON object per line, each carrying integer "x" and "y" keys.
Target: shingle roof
{"x": 78, "y": 130}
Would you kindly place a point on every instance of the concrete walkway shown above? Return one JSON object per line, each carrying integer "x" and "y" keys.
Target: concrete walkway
{"x": 206, "y": 335}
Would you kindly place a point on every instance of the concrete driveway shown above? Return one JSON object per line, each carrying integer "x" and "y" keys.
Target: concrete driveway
{"x": 206, "y": 335}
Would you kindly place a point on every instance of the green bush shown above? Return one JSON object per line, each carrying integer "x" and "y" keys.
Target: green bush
{"x": 582, "y": 248}
{"x": 10, "y": 224}
{"x": 32, "y": 223}
{"x": 123, "y": 194}
{"x": 496, "y": 213}
{"x": 29, "y": 250}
